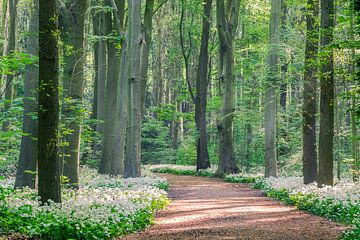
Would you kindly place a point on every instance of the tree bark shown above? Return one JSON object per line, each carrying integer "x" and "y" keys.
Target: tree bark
{"x": 27, "y": 166}
{"x": 133, "y": 149}
{"x": 48, "y": 123}
{"x": 117, "y": 158}
{"x": 270, "y": 93}
{"x": 3, "y": 26}
{"x": 101, "y": 78}
{"x": 354, "y": 100}
{"x": 203, "y": 160}
{"x": 310, "y": 93}
{"x": 110, "y": 102}
{"x": 9, "y": 48}
{"x": 227, "y": 15}
{"x": 73, "y": 34}
{"x": 326, "y": 136}
{"x": 145, "y": 48}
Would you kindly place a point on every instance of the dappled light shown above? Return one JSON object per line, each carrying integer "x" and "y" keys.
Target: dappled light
{"x": 229, "y": 211}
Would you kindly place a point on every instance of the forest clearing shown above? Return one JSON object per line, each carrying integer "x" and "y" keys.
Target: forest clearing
{"x": 180, "y": 119}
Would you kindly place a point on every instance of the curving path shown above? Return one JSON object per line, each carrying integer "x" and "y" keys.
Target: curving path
{"x": 204, "y": 208}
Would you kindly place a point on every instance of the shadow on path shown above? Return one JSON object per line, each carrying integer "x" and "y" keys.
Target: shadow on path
{"x": 204, "y": 208}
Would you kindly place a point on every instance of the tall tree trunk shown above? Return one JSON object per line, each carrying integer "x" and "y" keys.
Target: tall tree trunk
{"x": 310, "y": 92}
{"x": 96, "y": 32}
{"x": 270, "y": 93}
{"x": 9, "y": 48}
{"x": 121, "y": 114}
{"x": 354, "y": 100}
{"x": 3, "y": 27}
{"x": 227, "y": 22}
{"x": 158, "y": 67}
{"x": 101, "y": 78}
{"x": 48, "y": 123}
{"x": 73, "y": 33}
{"x": 203, "y": 160}
{"x": 326, "y": 136}
{"x": 145, "y": 48}
{"x": 27, "y": 166}
{"x": 133, "y": 150}
{"x": 111, "y": 90}
{"x": 118, "y": 144}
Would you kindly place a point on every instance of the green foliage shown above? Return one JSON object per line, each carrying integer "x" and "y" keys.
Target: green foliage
{"x": 10, "y": 140}
{"x": 241, "y": 179}
{"x": 156, "y": 143}
{"x": 186, "y": 153}
{"x": 183, "y": 170}
{"x": 20, "y": 211}
{"x": 16, "y": 63}
{"x": 56, "y": 227}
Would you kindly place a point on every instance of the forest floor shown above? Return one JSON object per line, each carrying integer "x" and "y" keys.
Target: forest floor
{"x": 208, "y": 208}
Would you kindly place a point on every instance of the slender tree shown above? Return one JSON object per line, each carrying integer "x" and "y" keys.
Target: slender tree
{"x": 145, "y": 48}
{"x": 73, "y": 35}
{"x": 354, "y": 100}
{"x": 9, "y": 48}
{"x": 117, "y": 160}
{"x": 27, "y": 166}
{"x": 2, "y": 25}
{"x": 326, "y": 136}
{"x": 102, "y": 30}
{"x": 270, "y": 92}
{"x": 310, "y": 92}
{"x": 203, "y": 160}
{"x": 48, "y": 122}
{"x": 227, "y": 16}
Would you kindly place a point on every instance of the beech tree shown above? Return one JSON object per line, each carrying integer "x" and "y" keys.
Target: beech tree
{"x": 270, "y": 92}
{"x": 327, "y": 97}
{"x": 73, "y": 36}
{"x": 133, "y": 142}
{"x": 310, "y": 92}
{"x": 8, "y": 49}
{"x": 48, "y": 122}
{"x": 27, "y": 166}
{"x": 227, "y": 16}
{"x": 203, "y": 159}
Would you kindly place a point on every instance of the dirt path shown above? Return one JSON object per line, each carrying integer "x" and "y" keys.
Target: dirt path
{"x": 204, "y": 208}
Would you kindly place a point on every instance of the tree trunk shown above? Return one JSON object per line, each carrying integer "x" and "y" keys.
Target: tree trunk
{"x": 118, "y": 144}
{"x": 310, "y": 93}
{"x": 111, "y": 90}
{"x": 73, "y": 34}
{"x": 145, "y": 48}
{"x": 121, "y": 115}
{"x": 354, "y": 100}
{"x": 203, "y": 160}
{"x": 133, "y": 149}
{"x": 326, "y": 136}
{"x": 27, "y": 166}
{"x": 9, "y": 48}
{"x": 3, "y": 10}
{"x": 48, "y": 123}
{"x": 101, "y": 78}
{"x": 227, "y": 22}
{"x": 270, "y": 93}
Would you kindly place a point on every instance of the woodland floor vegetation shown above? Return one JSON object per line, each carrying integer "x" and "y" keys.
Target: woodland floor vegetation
{"x": 230, "y": 93}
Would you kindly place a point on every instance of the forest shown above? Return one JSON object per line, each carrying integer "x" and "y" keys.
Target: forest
{"x": 180, "y": 119}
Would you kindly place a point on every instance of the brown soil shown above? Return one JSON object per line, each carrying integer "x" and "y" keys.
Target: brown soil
{"x": 203, "y": 208}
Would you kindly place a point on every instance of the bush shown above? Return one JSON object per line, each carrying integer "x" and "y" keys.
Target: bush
{"x": 346, "y": 211}
{"x": 103, "y": 208}
{"x": 156, "y": 143}
{"x": 183, "y": 170}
